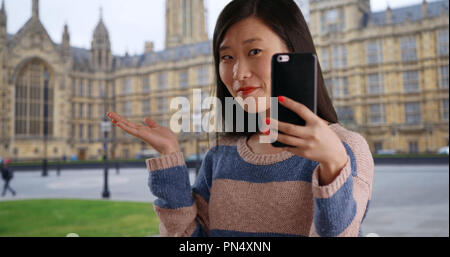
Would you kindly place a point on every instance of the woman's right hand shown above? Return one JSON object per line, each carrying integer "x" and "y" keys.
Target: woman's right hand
{"x": 162, "y": 139}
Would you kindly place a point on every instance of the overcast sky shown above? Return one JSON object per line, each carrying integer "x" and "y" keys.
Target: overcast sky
{"x": 130, "y": 22}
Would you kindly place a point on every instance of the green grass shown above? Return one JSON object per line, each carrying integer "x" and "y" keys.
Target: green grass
{"x": 39, "y": 163}
{"x": 87, "y": 218}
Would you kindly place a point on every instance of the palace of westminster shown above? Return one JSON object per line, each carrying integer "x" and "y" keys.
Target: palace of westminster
{"x": 386, "y": 71}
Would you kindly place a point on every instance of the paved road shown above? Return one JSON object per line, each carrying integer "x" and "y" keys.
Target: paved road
{"x": 407, "y": 200}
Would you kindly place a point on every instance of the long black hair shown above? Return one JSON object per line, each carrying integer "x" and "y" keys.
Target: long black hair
{"x": 285, "y": 18}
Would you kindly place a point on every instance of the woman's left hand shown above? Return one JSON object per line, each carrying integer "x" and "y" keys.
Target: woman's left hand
{"x": 315, "y": 141}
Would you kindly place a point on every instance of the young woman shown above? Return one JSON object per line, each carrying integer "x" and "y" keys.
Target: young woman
{"x": 319, "y": 187}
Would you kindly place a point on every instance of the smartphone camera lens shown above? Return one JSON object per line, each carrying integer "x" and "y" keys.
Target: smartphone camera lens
{"x": 283, "y": 58}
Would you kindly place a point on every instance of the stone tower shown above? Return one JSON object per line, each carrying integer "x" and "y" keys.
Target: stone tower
{"x": 3, "y": 31}
{"x": 35, "y": 9}
{"x": 185, "y": 22}
{"x": 333, "y": 16}
{"x": 101, "y": 58}
{"x": 65, "y": 45}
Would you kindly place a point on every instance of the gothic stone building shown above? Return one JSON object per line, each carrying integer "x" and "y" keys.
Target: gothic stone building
{"x": 53, "y": 97}
{"x": 387, "y": 73}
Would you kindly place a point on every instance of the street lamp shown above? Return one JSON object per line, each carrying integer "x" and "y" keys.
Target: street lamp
{"x": 46, "y": 85}
{"x": 105, "y": 128}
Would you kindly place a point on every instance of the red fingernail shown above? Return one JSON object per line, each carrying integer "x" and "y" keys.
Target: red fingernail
{"x": 114, "y": 122}
{"x": 267, "y": 121}
{"x": 267, "y": 132}
{"x": 281, "y": 99}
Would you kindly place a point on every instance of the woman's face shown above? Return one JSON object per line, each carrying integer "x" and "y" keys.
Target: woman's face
{"x": 245, "y": 60}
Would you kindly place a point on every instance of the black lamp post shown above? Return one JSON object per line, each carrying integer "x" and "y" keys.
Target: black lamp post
{"x": 105, "y": 127}
{"x": 44, "y": 162}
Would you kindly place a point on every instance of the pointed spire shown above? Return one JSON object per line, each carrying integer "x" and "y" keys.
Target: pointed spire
{"x": 65, "y": 44}
{"x": 3, "y": 15}
{"x": 101, "y": 32}
{"x": 3, "y": 11}
{"x": 388, "y": 14}
{"x": 36, "y": 9}
{"x": 424, "y": 9}
{"x": 66, "y": 31}
{"x": 101, "y": 47}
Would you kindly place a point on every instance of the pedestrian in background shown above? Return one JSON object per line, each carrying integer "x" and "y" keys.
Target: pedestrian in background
{"x": 7, "y": 176}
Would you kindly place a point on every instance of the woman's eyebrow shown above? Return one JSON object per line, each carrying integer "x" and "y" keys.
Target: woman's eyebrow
{"x": 250, "y": 40}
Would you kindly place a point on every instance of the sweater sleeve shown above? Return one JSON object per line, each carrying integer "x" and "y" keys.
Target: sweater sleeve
{"x": 181, "y": 209}
{"x": 341, "y": 206}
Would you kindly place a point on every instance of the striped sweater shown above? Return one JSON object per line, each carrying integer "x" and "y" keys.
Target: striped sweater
{"x": 241, "y": 193}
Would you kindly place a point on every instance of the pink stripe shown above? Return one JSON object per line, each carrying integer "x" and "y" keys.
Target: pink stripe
{"x": 329, "y": 190}
{"x": 276, "y": 207}
{"x": 361, "y": 151}
{"x": 228, "y": 140}
{"x": 177, "y": 222}
{"x": 165, "y": 161}
{"x": 202, "y": 215}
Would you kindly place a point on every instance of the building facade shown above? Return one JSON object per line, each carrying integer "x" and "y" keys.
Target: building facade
{"x": 53, "y": 97}
{"x": 387, "y": 73}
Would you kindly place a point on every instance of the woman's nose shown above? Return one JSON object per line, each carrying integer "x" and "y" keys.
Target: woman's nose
{"x": 241, "y": 71}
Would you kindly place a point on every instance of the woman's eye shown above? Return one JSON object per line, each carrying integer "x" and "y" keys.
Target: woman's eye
{"x": 255, "y": 51}
{"x": 226, "y": 57}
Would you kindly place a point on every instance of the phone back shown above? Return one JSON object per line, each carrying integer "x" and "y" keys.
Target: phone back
{"x": 294, "y": 75}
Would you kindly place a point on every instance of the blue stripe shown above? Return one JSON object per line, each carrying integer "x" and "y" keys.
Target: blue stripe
{"x": 232, "y": 233}
{"x": 333, "y": 215}
{"x": 171, "y": 187}
{"x": 352, "y": 158}
{"x": 201, "y": 189}
{"x": 229, "y": 165}
{"x": 203, "y": 181}
{"x": 199, "y": 231}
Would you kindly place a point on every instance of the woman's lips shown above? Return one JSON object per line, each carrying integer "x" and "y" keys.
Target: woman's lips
{"x": 246, "y": 90}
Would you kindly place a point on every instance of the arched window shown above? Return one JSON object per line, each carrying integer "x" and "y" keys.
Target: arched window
{"x": 34, "y": 100}
{"x": 99, "y": 58}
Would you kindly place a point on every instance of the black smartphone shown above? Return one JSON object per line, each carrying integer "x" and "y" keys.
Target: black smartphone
{"x": 294, "y": 75}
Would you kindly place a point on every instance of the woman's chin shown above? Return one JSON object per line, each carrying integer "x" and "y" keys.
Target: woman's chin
{"x": 255, "y": 109}
{"x": 250, "y": 103}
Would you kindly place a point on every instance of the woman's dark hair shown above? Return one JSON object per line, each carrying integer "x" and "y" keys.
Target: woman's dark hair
{"x": 286, "y": 20}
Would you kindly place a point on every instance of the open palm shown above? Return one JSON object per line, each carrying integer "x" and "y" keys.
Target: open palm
{"x": 162, "y": 139}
